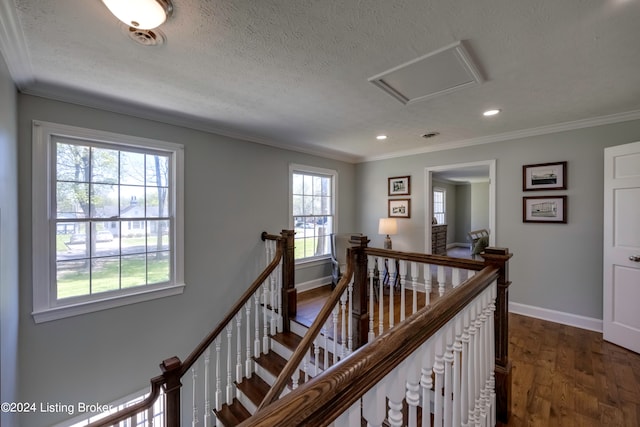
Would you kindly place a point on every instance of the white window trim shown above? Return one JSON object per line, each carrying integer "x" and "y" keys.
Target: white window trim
{"x": 43, "y": 249}
{"x": 294, "y": 167}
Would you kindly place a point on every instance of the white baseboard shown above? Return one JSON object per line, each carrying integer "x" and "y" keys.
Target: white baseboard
{"x": 312, "y": 284}
{"x": 569, "y": 319}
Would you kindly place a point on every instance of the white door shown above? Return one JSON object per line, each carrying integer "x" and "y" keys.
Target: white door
{"x": 621, "y": 323}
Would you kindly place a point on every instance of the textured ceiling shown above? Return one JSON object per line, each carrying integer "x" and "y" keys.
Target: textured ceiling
{"x": 294, "y": 73}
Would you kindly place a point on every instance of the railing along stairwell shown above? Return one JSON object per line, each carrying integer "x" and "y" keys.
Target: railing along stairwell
{"x": 444, "y": 364}
{"x": 226, "y": 355}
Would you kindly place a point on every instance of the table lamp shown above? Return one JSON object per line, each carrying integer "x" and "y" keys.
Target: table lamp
{"x": 387, "y": 226}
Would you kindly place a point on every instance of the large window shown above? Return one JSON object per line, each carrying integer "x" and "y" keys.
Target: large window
{"x": 439, "y": 205}
{"x": 313, "y": 206}
{"x": 106, "y": 219}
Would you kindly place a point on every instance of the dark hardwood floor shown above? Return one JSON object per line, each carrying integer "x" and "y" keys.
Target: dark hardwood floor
{"x": 562, "y": 376}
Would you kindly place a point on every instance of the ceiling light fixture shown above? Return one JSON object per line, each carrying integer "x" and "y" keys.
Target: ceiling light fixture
{"x": 489, "y": 113}
{"x": 381, "y": 137}
{"x": 141, "y": 14}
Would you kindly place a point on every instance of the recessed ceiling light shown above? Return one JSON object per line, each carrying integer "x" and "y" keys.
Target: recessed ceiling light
{"x": 491, "y": 112}
{"x": 381, "y": 137}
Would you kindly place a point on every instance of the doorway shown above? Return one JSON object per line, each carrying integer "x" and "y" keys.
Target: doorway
{"x": 461, "y": 172}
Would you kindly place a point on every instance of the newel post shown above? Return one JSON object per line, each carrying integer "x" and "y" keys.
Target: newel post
{"x": 289, "y": 293}
{"x": 171, "y": 372}
{"x": 499, "y": 257}
{"x": 360, "y": 288}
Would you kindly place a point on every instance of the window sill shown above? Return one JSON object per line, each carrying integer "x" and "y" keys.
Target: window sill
{"x": 55, "y": 313}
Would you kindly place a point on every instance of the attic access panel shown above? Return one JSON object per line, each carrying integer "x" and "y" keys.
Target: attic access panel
{"x": 436, "y": 73}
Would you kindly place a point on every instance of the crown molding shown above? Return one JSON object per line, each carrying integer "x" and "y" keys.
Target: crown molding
{"x": 13, "y": 45}
{"x": 524, "y": 133}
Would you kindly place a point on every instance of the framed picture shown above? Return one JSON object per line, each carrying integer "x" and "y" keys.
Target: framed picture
{"x": 400, "y": 186}
{"x": 399, "y": 208}
{"x": 544, "y": 176}
{"x": 544, "y": 209}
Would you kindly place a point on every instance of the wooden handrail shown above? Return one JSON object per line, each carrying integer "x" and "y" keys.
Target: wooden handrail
{"x": 173, "y": 368}
{"x": 208, "y": 340}
{"x": 294, "y": 361}
{"x": 467, "y": 264}
{"x": 156, "y": 384}
{"x": 322, "y": 399}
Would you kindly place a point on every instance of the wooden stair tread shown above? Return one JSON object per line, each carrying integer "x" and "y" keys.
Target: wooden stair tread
{"x": 274, "y": 364}
{"x": 255, "y": 388}
{"x": 288, "y": 339}
{"x": 234, "y": 414}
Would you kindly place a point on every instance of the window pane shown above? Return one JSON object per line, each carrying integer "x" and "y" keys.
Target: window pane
{"x": 297, "y": 205}
{"x": 104, "y": 165}
{"x": 132, "y": 168}
{"x": 134, "y": 270}
{"x": 158, "y": 236}
{"x": 158, "y": 267}
{"x": 72, "y": 162}
{"x": 73, "y": 278}
{"x": 307, "y": 185}
{"x": 72, "y": 200}
{"x": 297, "y": 183}
{"x": 105, "y": 275}
{"x": 104, "y": 200}
{"x": 157, "y": 170}
{"x": 134, "y": 239}
{"x": 157, "y": 201}
{"x": 131, "y": 202}
{"x": 74, "y": 245}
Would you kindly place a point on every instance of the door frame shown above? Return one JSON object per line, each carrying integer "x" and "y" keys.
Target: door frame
{"x": 428, "y": 208}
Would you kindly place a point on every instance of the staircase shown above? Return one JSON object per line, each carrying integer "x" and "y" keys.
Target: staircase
{"x": 251, "y": 391}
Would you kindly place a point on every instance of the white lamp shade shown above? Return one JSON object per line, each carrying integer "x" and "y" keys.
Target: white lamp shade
{"x": 143, "y": 14}
{"x": 387, "y": 226}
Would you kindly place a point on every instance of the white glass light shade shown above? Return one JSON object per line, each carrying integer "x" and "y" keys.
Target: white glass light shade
{"x": 387, "y": 226}
{"x": 143, "y": 14}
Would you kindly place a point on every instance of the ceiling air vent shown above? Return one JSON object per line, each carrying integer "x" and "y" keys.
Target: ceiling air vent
{"x": 436, "y": 73}
{"x": 144, "y": 37}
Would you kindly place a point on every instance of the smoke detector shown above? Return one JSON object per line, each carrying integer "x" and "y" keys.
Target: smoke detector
{"x": 144, "y": 37}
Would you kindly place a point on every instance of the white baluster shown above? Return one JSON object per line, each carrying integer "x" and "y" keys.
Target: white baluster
{"x": 305, "y": 365}
{"x": 273, "y": 321}
{"x": 441, "y": 279}
{"x": 412, "y": 393}
{"x": 351, "y": 417}
{"x": 316, "y": 355}
{"x": 484, "y": 350}
{"x": 455, "y": 277}
{"x": 350, "y": 318}
{"x": 438, "y": 370}
{"x": 457, "y": 351}
{"x": 427, "y": 284}
{"x": 374, "y": 405}
{"x": 218, "y": 376}
{"x": 448, "y": 373}
{"x": 395, "y": 394}
{"x": 343, "y": 324}
{"x": 371, "y": 266}
{"x": 391, "y": 267}
{"x": 239, "y": 346}
{"x": 278, "y": 297}
{"x": 492, "y": 354}
{"x": 229, "y": 365}
{"x": 256, "y": 342}
{"x": 464, "y": 368}
{"x": 426, "y": 381}
{"x": 415, "y": 273}
{"x": 325, "y": 333}
{"x": 248, "y": 362}
{"x": 265, "y": 324}
{"x": 207, "y": 392}
{"x": 479, "y": 362}
{"x": 194, "y": 404}
{"x": 403, "y": 276}
{"x": 472, "y": 365}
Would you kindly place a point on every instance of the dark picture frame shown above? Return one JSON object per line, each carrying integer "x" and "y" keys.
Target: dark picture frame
{"x": 544, "y": 176}
{"x": 399, "y": 186}
{"x": 544, "y": 209}
{"x": 399, "y": 208}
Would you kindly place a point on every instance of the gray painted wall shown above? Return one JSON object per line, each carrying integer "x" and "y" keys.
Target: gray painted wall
{"x": 479, "y": 206}
{"x": 463, "y": 212}
{"x": 555, "y": 266}
{"x": 8, "y": 243}
{"x": 233, "y": 191}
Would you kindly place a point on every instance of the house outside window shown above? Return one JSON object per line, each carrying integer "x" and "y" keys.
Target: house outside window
{"x": 312, "y": 210}
{"x": 107, "y": 214}
{"x": 439, "y": 205}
